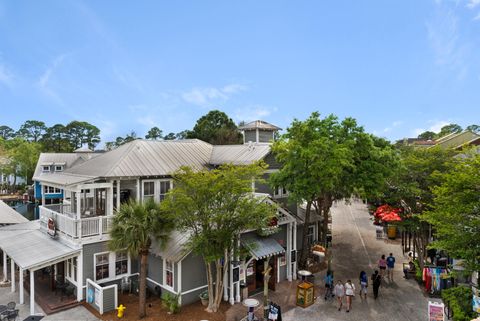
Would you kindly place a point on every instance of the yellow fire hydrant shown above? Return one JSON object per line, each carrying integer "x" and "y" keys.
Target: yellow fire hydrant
{"x": 121, "y": 310}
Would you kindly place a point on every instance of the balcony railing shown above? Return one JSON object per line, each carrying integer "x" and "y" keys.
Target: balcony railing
{"x": 68, "y": 225}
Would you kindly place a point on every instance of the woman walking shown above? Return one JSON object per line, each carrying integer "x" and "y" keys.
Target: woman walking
{"x": 382, "y": 265}
{"x": 339, "y": 292}
{"x": 350, "y": 293}
{"x": 376, "y": 280}
{"x": 363, "y": 284}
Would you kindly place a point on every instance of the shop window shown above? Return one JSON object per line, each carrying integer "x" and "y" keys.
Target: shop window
{"x": 168, "y": 273}
{"x": 51, "y": 190}
{"x": 72, "y": 269}
{"x": 45, "y": 169}
{"x": 101, "y": 266}
{"x": 282, "y": 259}
{"x": 280, "y": 192}
{"x": 121, "y": 263}
{"x": 148, "y": 190}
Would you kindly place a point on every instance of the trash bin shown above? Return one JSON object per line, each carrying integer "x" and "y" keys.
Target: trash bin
{"x": 392, "y": 232}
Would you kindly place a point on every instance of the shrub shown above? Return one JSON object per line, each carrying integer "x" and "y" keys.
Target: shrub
{"x": 170, "y": 302}
{"x": 460, "y": 301}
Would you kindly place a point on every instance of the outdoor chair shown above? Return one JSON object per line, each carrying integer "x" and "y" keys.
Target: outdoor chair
{"x": 11, "y": 306}
{"x": 10, "y": 315}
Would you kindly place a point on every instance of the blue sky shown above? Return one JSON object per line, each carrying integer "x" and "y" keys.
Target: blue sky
{"x": 398, "y": 67}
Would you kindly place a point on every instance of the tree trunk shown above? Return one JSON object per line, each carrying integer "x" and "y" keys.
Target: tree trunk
{"x": 304, "y": 253}
{"x": 142, "y": 295}
{"x": 326, "y": 205}
{"x": 211, "y": 296}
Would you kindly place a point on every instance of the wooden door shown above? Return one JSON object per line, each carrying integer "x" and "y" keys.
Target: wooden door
{"x": 273, "y": 274}
{"x": 251, "y": 276}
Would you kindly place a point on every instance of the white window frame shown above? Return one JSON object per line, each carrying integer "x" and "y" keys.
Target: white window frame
{"x": 45, "y": 169}
{"x": 111, "y": 267}
{"x": 153, "y": 196}
{"x": 280, "y": 192}
{"x": 71, "y": 272}
{"x": 46, "y": 189}
{"x": 58, "y": 168}
{"x": 168, "y": 287}
{"x": 312, "y": 234}
{"x": 169, "y": 181}
{"x": 128, "y": 264}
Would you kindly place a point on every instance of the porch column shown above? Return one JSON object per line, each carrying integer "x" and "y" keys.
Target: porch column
{"x": 289, "y": 252}
{"x": 32, "y": 292}
{"x": 238, "y": 297}
{"x": 12, "y": 271}
{"x": 43, "y": 194}
{"x": 20, "y": 286}
{"x": 80, "y": 277}
{"x": 232, "y": 295}
{"x": 79, "y": 203}
{"x": 118, "y": 194}
{"x": 179, "y": 266}
{"x": 294, "y": 265}
{"x": 5, "y": 276}
{"x": 138, "y": 189}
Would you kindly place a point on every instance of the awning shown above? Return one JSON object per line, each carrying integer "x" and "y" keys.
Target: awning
{"x": 63, "y": 179}
{"x": 175, "y": 250}
{"x": 262, "y": 247}
{"x": 35, "y": 249}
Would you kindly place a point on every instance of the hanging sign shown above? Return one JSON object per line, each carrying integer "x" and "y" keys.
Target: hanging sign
{"x": 51, "y": 227}
{"x": 436, "y": 311}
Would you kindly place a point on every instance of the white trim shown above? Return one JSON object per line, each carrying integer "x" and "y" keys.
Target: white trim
{"x": 196, "y": 289}
{"x": 95, "y": 267}
{"x": 162, "y": 286}
{"x": 43, "y": 169}
{"x": 32, "y": 292}
{"x": 111, "y": 267}
{"x": 172, "y": 288}
{"x": 179, "y": 267}
{"x": 61, "y": 168}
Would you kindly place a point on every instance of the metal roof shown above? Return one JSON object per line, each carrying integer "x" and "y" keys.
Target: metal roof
{"x": 67, "y": 159}
{"x": 63, "y": 179}
{"x": 238, "y": 154}
{"x": 34, "y": 249}
{"x": 175, "y": 249}
{"x": 260, "y": 124}
{"x": 262, "y": 247}
{"x": 147, "y": 158}
{"x": 9, "y": 216}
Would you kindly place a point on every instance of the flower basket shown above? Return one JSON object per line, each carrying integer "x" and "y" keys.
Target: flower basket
{"x": 204, "y": 298}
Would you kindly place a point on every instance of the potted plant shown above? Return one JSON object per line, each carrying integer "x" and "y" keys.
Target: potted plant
{"x": 204, "y": 297}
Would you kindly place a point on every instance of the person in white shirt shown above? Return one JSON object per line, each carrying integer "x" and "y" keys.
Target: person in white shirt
{"x": 339, "y": 292}
{"x": 349, "y": 292}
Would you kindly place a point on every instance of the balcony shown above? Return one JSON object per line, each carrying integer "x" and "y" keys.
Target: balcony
{"x": 69, "y": 226}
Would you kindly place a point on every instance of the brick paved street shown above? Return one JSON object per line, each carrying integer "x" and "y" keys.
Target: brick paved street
{"x": 355, "y": 248}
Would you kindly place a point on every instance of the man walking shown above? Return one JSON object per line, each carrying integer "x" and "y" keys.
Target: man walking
{"x": 390, "y": 266}
{"x": 376, "y": 281}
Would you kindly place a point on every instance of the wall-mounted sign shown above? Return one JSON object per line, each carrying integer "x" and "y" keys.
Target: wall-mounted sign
{"x": 51, "y": 227}
{"x": 294, "y": 256}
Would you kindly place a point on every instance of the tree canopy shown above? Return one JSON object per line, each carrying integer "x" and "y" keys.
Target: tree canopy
{"x": 215, "y": 207}
{"x": 154, "y": 133}
{"x": 455, "y": 210}
{"x": 216, "y": 128}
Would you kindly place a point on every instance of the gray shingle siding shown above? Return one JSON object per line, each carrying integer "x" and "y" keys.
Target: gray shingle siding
{"x": 155, "y": 268}
{"x": 250, "y": 136}
{"x": 272, "y": 163}
{"x": 265, "y": 136}
{"x": 194, "y": 273}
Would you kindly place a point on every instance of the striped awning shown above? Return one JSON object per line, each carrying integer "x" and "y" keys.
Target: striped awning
{"x": 261, "y": 248}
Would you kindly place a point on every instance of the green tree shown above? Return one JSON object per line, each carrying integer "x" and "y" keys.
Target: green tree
{"x": 450, "y": 129}
{"x": 32, "y": 130}
{"x": 134, "y": 227}
{"x": 182, "y": 135}
{"x": 323, "y": 160}
{"x": 412, "y": 186}
{"x": 130, "y": 137}
{"x": 455, "y": 211}
{"x": 80, "y": 132}
{"x": 55, "y": 140}
{"x": 23, "y": 156}
{"x": 215, "y": 207}
{"x": 6, "y": 132}
{"x": 154, "y": 133}
{"x": 473, "y": 128}
{"x": 428, "y": 135}
{"x": 216, "y": 128}
{"x": 170, "y": 136}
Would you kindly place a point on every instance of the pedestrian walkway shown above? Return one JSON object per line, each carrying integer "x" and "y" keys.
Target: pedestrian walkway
{"x": 356, "y": 248}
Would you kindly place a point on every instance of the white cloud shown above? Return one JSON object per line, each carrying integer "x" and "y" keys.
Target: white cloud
{"x": 435, "y": 126}
{"x": 147, "y": 121}
{"x": 397, "y": 123}
{"x": 6, "y": 76}
{"x": 203, "y": 96}
{"x": 473, "y": 3}
{"x": 43, "y": 82}
{"x": 477, "y": 17}
{"x": 253, "y": 112}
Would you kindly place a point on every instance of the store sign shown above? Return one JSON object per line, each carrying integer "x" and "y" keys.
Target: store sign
{"x": 236, "y": 274}
{"x": 51, "y": 227}
{"x": 294, "y": 256}
{"x": 436, "y": 311}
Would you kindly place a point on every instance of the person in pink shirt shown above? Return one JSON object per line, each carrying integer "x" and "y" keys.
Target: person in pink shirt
{"x": 382, "y": 265}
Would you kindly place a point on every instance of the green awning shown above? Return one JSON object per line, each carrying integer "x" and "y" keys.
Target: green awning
{"x": 262, "y": 247}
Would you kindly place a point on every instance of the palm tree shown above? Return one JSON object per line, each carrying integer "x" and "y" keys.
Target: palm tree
{"x": 134, "y": 227}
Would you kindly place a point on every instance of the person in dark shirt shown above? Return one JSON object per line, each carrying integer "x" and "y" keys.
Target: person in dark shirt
{"x": 390, "y": 266}
{"x": 376, "y": 281}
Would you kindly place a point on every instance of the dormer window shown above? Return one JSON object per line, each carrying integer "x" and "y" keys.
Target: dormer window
{"x": 58, "y": 168}
{"x": 45, "y": 168}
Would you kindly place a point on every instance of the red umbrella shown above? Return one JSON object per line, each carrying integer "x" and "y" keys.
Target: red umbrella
{"x": 391, "y": 217}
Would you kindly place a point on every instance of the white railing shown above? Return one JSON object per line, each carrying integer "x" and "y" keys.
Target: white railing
{"x": 73, "y": 228}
